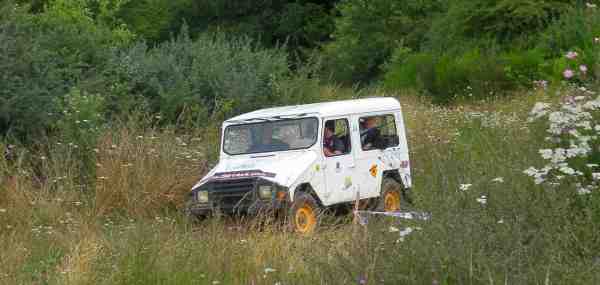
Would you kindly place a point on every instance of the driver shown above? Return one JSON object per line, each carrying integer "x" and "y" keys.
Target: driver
{"x": 370, "y": 137}
{"x": 332, "y": 145}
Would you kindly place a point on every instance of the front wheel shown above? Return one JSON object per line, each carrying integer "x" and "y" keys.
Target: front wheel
{"x": 304, "y": 214}
{"x": 392, "y": 198}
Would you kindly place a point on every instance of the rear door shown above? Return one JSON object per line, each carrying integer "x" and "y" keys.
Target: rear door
{"x": 376, "y": 149}
{"x": 339, "y": 168}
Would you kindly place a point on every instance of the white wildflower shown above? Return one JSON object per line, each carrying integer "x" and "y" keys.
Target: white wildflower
{"x": 546, "y": 153}
{"x": 539, "y": 110}
{"x": 531, "y": 171}
{"x": 482, "y": 200}
{"x": 583, "y": 191}
{"x": 592, "y": 105}
{"x": 393, "y": 229}
{"x": 498, "y": 180}
{"x": 269, "y": 270}
{"x": 465, "y": 187}
{"x": 571, "y": 55}
{"x": 2, "y": 210}
{"x": 405, "y": 232}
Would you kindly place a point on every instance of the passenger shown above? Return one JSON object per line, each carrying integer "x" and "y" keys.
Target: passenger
{"x": 370, "y": 137}
{"x": 332, "y": 145}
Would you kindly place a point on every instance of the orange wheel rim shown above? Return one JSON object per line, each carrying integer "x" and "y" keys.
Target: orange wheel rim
{"x": 305, "y": 219}
{"x": 391, "y": 201}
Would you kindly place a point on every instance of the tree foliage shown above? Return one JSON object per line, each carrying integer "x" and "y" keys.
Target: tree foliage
{"x": 367, "y": 32}
{"x": 43, "y": 56}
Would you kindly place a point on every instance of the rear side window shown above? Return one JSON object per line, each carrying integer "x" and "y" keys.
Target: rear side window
{"x": 378, "y": 132}
{"x": 336, "y": 137}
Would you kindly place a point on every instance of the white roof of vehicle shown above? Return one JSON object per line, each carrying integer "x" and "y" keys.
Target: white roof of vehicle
{"x": 326, "y": 109}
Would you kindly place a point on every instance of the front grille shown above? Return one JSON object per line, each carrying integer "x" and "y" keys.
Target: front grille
{"x": 229, "y": 193}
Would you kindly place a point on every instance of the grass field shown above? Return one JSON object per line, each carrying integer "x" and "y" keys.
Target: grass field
{"x": 117, "y": 220}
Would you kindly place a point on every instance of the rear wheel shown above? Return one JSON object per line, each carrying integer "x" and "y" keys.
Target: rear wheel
{"x": 391, "y": 199}
{"x": 304, "y": 214}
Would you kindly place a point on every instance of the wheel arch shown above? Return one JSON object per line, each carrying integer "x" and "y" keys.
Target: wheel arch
{"x": 393, "y": 174}
{"x": 306, "y": 188}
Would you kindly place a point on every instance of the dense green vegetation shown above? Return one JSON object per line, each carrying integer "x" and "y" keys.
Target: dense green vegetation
{"x": 109, "y": 112}
{"x": 209, "y": 59}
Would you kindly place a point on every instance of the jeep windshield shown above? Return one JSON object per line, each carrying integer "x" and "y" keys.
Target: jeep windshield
{"x": 270, "y": 136}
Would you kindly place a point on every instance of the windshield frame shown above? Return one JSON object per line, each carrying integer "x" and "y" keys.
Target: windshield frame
{"x": 266, "y": 120}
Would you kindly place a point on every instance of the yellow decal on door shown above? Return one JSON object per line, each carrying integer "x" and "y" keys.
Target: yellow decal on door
{"x": 347, "y": 182}
{"x": 373, "y": 170}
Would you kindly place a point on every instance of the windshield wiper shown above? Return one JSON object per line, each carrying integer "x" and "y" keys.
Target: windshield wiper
{"x": 261, "y": 156}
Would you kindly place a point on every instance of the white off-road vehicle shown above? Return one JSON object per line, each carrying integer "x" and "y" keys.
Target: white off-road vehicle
{"x": 299, "y": 160}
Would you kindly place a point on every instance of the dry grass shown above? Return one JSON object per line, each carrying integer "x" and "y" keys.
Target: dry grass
{"x": 142, "y": 174}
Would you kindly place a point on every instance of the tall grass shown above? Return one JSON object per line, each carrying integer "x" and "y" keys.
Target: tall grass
{"x": 125, "y": 227}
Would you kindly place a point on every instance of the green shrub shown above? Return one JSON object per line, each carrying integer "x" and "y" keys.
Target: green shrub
{"x": 80, "y": 118}
{"x": 577, "y": 28}
{"x": 367, "y": 32}
{"x": 524, "y": 67}
{"x": 504, "y": 21}
{"x": 208, "y": 77}
{"x": 152, "y": 20}
{"x": 43, "y": 56}
{"x": 446, "y": 78}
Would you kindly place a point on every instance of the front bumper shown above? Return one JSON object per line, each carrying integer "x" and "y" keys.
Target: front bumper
{"x": 237, "y": 196}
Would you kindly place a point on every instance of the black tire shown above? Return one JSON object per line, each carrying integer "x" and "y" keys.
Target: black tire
{"x": 304, "y": 214}
{"x": 393, "y": 191}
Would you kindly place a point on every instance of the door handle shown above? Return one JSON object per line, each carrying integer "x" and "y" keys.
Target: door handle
{"x": 337, "y": 165}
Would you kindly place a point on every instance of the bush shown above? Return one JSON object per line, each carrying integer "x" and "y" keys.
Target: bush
{"x": 45, "y": 55}
{"x": 368, "y": 31}
{"x": 576, "y": 28}
{"x": 507, "y": 22}
{"x": 211, "y": 77}
{"x": 152, "y": 20}
{"x": 446, "y": 78}
{"x": 524, "y": 67}
{"x": 406, "y": 72}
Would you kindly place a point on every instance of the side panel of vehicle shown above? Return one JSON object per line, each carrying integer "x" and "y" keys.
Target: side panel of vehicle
{"x": 313, "y": 176}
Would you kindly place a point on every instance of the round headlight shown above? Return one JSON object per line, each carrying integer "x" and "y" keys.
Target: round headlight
{"x": 264, "y": 191}
{"x": 202, "y": 196}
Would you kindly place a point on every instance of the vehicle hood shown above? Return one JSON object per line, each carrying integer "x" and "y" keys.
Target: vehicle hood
{"x": 281, "y": 168}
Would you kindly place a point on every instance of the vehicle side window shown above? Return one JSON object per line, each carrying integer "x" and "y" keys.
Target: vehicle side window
{"x": 336, "y": 137}
{"x": 378, "y": 132}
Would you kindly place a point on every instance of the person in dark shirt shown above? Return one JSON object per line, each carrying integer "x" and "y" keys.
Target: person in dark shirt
{"x": 332, "y": 145}
{"x": 370, "y": 137}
